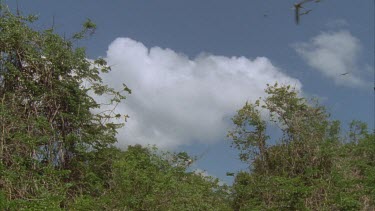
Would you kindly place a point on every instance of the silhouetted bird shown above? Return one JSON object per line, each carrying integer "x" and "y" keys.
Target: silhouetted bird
{"x": 297, "y": 8}
{"x": 230, "y": 174}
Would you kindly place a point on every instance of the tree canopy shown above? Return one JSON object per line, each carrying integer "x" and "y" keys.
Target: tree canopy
{"x": 310, "y": 167}
{"x": 57, "y": 147}
{"x": 56, "y": 140}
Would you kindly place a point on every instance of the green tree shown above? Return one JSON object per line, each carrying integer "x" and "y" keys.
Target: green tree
{"x": 354, "y": 175}
{"x": 298, "y": 120}
{"x": 305, "y": 168}
{"x": 147, "y": 179}
{"x": 47, "y": 128}
{"x": 56, "y": 141}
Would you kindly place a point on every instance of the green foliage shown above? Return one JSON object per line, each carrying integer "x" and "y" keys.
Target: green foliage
{"x": 145, "y": 179}
{"x": 355, "y": 173}
{"x": 56, "y": 153}
{"x": 250, "y": 143}
{"x": 47, "y": 129}
{"x": 310, "y": 167}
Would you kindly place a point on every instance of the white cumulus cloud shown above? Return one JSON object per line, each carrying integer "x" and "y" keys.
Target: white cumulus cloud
{"x": 176, "y": 100}
{"x": 335, "y": 55}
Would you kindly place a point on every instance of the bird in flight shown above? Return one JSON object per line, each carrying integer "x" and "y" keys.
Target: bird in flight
{"x": 230, "y": 174}
{"x": 344, "y": 73}
{"x": 298, "y": 7}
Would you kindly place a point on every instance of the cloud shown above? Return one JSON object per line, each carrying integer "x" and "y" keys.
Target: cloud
{"x": 178, "y": 101}
{"x": 334, "y": 54}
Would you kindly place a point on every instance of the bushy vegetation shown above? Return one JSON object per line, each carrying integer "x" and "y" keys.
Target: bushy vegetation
{"x": 310, "y": 167}
{"x": 57, "y": 143}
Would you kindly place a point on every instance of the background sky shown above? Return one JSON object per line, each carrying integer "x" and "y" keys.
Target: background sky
{"x": 192, "y": 64}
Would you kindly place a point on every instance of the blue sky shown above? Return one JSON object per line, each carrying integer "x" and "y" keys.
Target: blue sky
{"x": 192, "y": 64}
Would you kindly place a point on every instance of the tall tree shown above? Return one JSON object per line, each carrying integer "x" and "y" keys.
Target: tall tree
{"x": 309, "y": 167}
{"x": 47, "y": 123}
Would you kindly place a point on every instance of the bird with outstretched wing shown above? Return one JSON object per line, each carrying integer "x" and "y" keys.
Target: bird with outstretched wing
{"x": 298, "y": 7}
